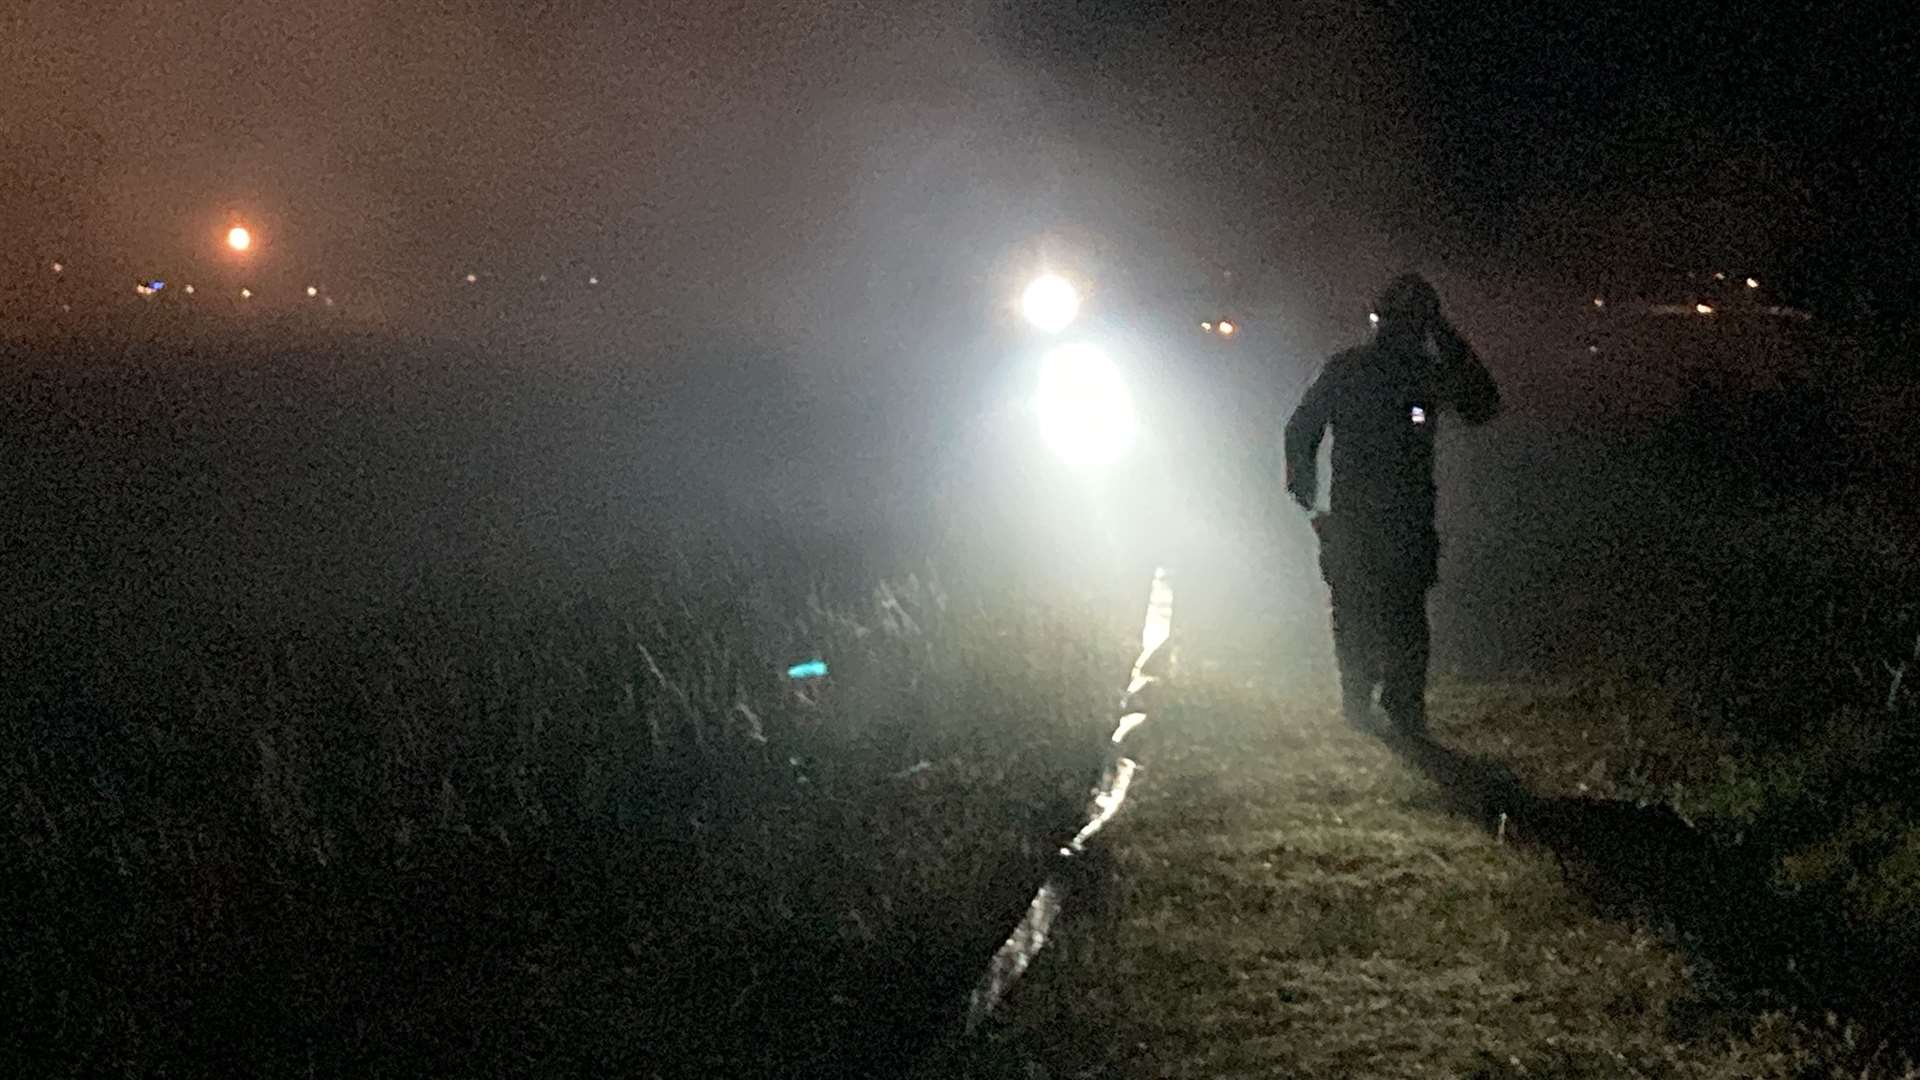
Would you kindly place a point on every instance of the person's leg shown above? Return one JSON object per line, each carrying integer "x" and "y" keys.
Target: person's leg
{"x": 1407, "y": 640}
{"x": 1356, "y": 637}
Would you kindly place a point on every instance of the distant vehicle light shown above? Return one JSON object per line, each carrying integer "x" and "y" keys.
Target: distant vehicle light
{"x": 1227, "y": 328}
{"x": 1086, "y": 411}
{"x": 1704, "y": 309}
{"x": 1050, "y": 303}
{"x": 1752, "y": 283}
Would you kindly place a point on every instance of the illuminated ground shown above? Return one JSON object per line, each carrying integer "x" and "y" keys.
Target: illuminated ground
{"x": 1286, "y": 898}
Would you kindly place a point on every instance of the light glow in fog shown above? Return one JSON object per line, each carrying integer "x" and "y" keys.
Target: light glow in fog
{"x": 1086, "y": 412}
{"x": 1050, "y": 303}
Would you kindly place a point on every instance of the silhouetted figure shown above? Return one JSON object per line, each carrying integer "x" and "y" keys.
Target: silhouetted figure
{"x": 1379, "y": 552}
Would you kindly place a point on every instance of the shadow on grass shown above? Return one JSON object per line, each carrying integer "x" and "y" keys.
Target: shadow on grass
{"x": 1718, "y": 900}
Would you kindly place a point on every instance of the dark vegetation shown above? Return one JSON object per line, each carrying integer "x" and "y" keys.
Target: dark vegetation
{"x": 392, "y": 717}
{"x": 1750, "y": 786}
{"x": 318, "y": 759}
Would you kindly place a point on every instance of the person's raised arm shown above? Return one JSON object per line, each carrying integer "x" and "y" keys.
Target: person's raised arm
{"x": 1466, "y": 384}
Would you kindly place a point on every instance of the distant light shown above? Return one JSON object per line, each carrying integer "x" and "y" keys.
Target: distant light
{"x": 1752, "y": 284}
{"x": 593, "y": 281}
{"x": 1704, "y": 309}
{"x": 143, "y": 290}
{"x": 246, "y": 294}
{"x": 1719, "y": 275}
{"x": 543, "y": 279}
{"x": 1050, "y": 303}
{"x": 810, "y": 669}
{"x": 156, "y": 285}
{"x": 1373, "y": 317}
{"x": 1599, "y": 301}
{"x": 1207, "y": 326}
{"x": 239, "y": 239}
{"x": 189, "y": 290}
{"x": 1227, "y": 328}
{"x": 471, "y": 278}
{"x": 59, "y": 267}
{"x": 329, "y": 301}
{"x": 1086, "y": 412}
{"x": 311, "y": 291}
{"x": 1417, "y": 414}
{"x": 1593, "y": 348}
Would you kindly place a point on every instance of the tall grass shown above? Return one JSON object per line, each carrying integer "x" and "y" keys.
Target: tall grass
{"x": 475, "y": 832}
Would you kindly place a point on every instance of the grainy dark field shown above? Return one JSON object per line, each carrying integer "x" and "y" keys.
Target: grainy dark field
{"x": 382, "y": 716}
{"x": 369, "y": 717}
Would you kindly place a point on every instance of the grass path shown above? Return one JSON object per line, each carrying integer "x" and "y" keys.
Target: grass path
{"x": 1283, "y": 897}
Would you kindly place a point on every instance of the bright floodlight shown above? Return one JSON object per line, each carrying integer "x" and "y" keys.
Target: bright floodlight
{"x": 1050, "y": 303}
{"x": 1086, "y": 413}
{"x": 239, "y": 239}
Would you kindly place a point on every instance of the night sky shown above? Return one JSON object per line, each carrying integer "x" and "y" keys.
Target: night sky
{"x": 818, "y": 163}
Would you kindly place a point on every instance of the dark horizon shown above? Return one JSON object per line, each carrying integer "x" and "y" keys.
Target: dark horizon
{"x": 800, "y": 166}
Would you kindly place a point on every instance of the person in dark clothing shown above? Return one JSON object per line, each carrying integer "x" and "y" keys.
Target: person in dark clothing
{"x": 1379, "y": 552}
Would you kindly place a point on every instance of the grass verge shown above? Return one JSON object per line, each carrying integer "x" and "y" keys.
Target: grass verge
{"x": 1287, "y": 898}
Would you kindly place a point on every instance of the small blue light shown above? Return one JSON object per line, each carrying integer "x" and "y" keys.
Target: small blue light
{"x": 812, "y": 669}
{"x": 156, "y": 286}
